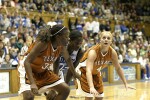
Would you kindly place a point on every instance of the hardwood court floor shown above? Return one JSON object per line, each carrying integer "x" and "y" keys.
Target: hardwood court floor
{"x": 113, "y": 92}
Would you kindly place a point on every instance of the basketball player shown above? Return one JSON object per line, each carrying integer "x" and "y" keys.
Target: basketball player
{"x": 41, "y": 56}
{"x": 91, "y": 64}
{"x": 75, "y": 52}
{"x": 24, "y": 89}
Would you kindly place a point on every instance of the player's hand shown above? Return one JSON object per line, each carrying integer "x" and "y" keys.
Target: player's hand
{"x": 34, "y": 89}
{"x": 76, "y": 75}
{"x": 93, "y": 91}
{"x": 129, "y": 87}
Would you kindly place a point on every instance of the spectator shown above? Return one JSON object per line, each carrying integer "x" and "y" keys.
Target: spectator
{"x": 6, "y": 61}
{"x": 140, "y": 60}
{"x": 2, "y": 52}
{"x": 72, "y": 24}
{"x": 89, "y": 28}
{"x": 52, "y": 22}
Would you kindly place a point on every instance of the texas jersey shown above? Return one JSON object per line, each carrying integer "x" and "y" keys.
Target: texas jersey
{"x": 101, "y": 59}
{"x": 45, "y": 60}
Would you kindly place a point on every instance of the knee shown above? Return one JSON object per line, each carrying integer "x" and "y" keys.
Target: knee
{"x": 66, "y": 89}
{"x": 29, "y": 97}
{"x": 101, "y": 98}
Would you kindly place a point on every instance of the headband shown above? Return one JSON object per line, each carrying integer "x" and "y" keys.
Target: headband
{"x": 58, "y": 31}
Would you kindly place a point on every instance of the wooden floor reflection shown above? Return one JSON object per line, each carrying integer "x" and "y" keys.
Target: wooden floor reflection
{"x": 114, "y": 92}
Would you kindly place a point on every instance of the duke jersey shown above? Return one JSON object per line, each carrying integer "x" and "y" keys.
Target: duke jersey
{"x": 62, "y": 63}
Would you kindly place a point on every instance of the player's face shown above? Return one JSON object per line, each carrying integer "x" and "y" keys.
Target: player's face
{"x": 77, "y": 42}
{"x": 64, "y": 38}
{"x": 106, "y": 39}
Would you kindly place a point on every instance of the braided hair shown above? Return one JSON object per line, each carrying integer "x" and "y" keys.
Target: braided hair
{"x": 49, "y": 33}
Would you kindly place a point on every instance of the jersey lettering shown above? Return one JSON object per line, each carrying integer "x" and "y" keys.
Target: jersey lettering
{"x": 47, "y": 66}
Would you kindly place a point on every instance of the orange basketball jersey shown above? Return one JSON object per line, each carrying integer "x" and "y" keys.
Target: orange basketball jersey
{"x": 101, "y": 60}
{"x": 42, "y": 64}
{"x": 99, "y": 63}
{"x": 45, "y": 59}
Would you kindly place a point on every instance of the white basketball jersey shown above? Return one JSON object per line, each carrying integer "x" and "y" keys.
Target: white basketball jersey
{"x": 62, "y": 63}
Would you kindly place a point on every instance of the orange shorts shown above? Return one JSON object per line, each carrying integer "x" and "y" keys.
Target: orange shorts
{"x": 45, "y": 78}
{"x": 97, "y": 81}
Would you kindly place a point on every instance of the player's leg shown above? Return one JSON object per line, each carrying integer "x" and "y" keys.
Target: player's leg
{"x": 51, "y": 95}
{"x": 28, "y": 95}
{"x": 63, "y": 91}
{"x": 88, "y": 98}
{"x": 98, "y": 98}
{"x": 68, "y": 76}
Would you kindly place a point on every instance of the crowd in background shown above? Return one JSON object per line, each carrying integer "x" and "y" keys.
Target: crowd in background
{"x": 17, "y": 32}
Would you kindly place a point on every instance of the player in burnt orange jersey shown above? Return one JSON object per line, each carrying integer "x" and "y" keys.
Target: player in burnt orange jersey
{"x": 41, "y": 57}
{"x": 76, "y": 52}
{"x": 91, "y": 64}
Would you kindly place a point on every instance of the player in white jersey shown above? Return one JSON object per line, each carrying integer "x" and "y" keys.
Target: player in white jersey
{"x": 75, "y": 52}
{"x": 24, "y": 88}
{"x": 63, "y": 66}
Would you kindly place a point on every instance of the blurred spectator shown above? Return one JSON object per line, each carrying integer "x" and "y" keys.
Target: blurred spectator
{"x": 52, "y": 22}
{"x": 148, "y": 69}
{"x": 88, "y": 27}
{"x": 0, "y": 3}
{"x": 28, "y": 42}
{"x": 96, "y": 30}
{"x": 120, "y": 56}
{"x": 72, "y": 24}
{"x": 2, "y": 52}
{"x": 140, "y": 60}
{"x": 41, "y": 22}
{"x": 103, "y": 26}
{"x": 117, "y": 26}
{"x": 6, "y": 62}
{"x": 80, "y": 25}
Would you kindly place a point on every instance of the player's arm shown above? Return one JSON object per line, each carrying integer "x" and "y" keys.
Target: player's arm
{"x": 79, "y": 56}
{"x": 56, "y": 66}
{"x": 69, "y": 74}
{"x": 69, "y": 62}
{"x": 117, "y": 66}
{"x": 30, "y": 58}
{"x": 89, "y": 68}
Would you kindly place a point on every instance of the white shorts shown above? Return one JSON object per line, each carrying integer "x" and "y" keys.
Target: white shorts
{"x": 46, "y": 88}
{"x": 22, "y": 72}
{"x": 24, "y": 87}
{"x": 61, "y": 75}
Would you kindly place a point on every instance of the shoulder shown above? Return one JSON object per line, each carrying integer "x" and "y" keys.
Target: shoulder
{"x": 92, "y": 53}
{"x": 40, "y": 46}
{"x": 113, "y": 52}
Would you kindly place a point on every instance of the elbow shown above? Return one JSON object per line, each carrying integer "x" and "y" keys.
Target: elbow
{"x": 26, "y": 63}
